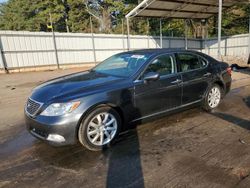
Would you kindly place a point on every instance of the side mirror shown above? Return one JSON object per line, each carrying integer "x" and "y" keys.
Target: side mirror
{"x": 151, "y": 76}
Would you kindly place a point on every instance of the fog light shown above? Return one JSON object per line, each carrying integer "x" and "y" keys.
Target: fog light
{"x": 56, "y": 138}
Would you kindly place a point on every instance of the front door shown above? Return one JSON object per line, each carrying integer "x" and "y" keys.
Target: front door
{"x": 160, "y": 95}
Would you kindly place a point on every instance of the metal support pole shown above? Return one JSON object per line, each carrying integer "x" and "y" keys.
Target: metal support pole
{"x": 248, "y": 62}
{"x": 148, "y": 31}
{"x": 93, "y": 39}
{"x": 186, "y": 35}
{"x": 123, "y": 43}
{"x": 67, "y": 26}
{"x": 219, "y": 29}
{"x": 128, "y": 34}
{"x": 249, "y": 37}
{"x": 54, "y": 41}
{"x": 161, "y": 33}
{"x": 2, "y": 59}
{"x": 206, "y": 36}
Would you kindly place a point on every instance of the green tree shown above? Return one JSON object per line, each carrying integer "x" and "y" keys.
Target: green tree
{"x": 104, "y": 11}
{"x": 78, "y": 18}
{"x": 235, "y": 21}
{"x": 107, "y": 17}
{"x": 32, "y": 15}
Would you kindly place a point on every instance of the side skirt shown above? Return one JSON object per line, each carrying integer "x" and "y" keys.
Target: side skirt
{"x": 166, "y": 111}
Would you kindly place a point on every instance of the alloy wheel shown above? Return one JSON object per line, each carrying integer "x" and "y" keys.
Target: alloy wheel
{"x": 214, "y": 97}
{"x": 102, "y": 129}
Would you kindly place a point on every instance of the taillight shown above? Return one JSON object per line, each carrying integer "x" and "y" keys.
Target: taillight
{"x": 229, "y": 70}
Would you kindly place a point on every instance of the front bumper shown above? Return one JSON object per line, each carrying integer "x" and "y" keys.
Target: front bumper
{"x": 57, "y": 131}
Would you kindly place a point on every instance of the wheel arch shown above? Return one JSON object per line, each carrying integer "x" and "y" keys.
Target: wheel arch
{"x": 222, "y": 86}
{"x": 100, "y": 104}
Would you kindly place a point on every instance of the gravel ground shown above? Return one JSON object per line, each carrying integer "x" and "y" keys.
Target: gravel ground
{"x": 189, "y": 149}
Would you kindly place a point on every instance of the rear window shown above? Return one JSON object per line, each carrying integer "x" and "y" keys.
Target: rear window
{"x": 188, "y": 62}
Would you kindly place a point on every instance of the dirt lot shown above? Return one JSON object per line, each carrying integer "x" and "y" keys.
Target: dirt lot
{"x": 188, "y": 149}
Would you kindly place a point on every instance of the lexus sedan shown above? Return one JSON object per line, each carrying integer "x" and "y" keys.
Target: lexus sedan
{"x": 94, "y": 106}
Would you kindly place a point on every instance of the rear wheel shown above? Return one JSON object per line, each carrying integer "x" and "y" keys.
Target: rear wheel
{"x": 212, "y": 98}
{"x": 99, "y": 128}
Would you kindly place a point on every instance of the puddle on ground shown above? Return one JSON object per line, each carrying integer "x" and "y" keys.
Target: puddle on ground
{"x": 237, "y": 90}
{"x": 73, "y": 157}
{"x": 16, "y": 144}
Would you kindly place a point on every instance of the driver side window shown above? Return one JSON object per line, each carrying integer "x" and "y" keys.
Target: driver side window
{"x": 164, "y": 65}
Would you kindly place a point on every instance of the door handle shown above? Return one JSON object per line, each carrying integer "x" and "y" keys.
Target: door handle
{"x": 207, "y": 74}
{"x": 178, "y": 81}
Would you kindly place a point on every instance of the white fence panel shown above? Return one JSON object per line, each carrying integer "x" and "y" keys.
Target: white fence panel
{"x": 231, "y": 46}
{"x": 166, "y": 42}
{"x": 104, "y": 54}
{"x": 154, "y": 42}
{"x": 29, "y": 49}
{"x": 138, "y": 42}
{"x": 74, "y": 48}
{"x": 23, "y": 49}
{"x": 116, "y": 42}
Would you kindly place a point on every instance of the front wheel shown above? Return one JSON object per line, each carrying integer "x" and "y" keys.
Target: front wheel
{"x": 99, "y": 128}
{"x": 212, "y": 98}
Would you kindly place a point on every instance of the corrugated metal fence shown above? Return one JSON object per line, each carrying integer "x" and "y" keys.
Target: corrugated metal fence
{"x": 28, "y": 49}
{"x": 33, "y": 49}
{"x": 237, "y": 46}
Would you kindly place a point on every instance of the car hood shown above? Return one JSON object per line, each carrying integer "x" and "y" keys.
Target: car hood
{"x": 74, "y": 85}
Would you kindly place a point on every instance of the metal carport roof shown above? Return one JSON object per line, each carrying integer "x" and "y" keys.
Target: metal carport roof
{"x": 183, "y": 9}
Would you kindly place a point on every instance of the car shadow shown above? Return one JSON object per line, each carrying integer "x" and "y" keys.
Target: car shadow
{"x": 124, "y": 162}
{"x": 124, "y": 158}
{"x": 247, "y": 101}
{"x": 243, "y": 123}
{"x": 243, "y": 70}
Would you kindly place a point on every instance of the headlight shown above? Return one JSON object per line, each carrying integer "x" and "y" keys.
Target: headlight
{"x": 58, "y": 109}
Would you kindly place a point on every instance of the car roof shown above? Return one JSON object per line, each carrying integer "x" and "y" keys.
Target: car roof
{"x": 160, "y": 51}
{"x": 155, "y": 52}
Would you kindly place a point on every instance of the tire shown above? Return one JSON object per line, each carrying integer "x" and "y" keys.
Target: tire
{"x": 212, "y": 98}
{"x": 99, "y": 128}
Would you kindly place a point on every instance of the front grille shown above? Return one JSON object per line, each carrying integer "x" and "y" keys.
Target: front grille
{"x": 32, "y": 107}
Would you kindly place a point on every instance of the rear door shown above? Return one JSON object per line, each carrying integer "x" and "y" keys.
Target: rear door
{"x": 162, "y": 94}
{"x": 196, "y": 75}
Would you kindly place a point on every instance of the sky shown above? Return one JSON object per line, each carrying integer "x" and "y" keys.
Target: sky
{"x": 1, "y": 1}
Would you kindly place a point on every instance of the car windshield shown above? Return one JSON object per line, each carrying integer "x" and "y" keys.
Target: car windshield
{"x": 122, "y": 65}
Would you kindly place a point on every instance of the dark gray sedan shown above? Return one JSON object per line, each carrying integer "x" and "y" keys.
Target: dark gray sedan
{"x": 94, "y": 106}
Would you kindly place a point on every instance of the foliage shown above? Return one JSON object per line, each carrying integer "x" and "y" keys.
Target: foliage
{"x": 235, "y": 21}
{"x": 31, "y": 15}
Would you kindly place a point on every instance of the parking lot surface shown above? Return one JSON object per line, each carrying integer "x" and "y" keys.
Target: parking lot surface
{"x": 190, "y": 149}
